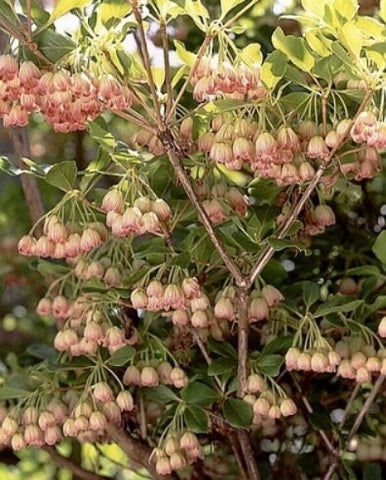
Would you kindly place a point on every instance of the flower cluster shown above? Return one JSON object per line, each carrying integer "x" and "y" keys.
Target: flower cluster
{"x": 176, "y": 452}
{"x": 63, "y": 241}
{"x": 67, "y": 101}
{"x": 320, "y": 359}
{"x": 214, "y": 79}
{"x": 70, "y": 416}
{"x": 145, "y": 216}
{"x": 100, "y": 270}
{"x": 151, "y": 376}
{"x": 258, "y": 307}
{"x": 266, "y": 405}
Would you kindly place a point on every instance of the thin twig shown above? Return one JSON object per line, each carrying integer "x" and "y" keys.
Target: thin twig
{"x": 137, "y": 451}
{"x": 142, "y": 416}
{"x": 175, "y": 160}
{"x": 146, "y": 63}
{"x": 76, "y": 469}
{"x": 205, "y": 354}
{"x": 370, "y": 399}
{"x": 349, "y": 404}
{"x": 242, "y": 347}
{"x": 249, "y": 457}
{"x": 29, "y": 20}
{"x": 168, "y": 72}
{"x": 233, "y": 441}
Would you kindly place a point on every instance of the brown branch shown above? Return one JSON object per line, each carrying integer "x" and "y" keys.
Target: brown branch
{"x": 242, "y": 346}
{"x": 75, "y": 468}
{"x": 249, "y": 457}
{"x": 269, "y": 251}
{"x": 29, "y": 184}
{"x": 146, "y": 62}
{"x": 137, "y": 451}
{"x": 175, "y": 160}
{"x": 168, "y": 72}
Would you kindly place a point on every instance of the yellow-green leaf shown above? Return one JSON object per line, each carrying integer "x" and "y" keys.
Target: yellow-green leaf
{"x": 186, "y": 57}
{"x": 351, "y": 38}
{"x": 273, "y": 69}
{"x": 314, "y": 7}
{"x": 371, "y": 27}
{"x": 64, "y": 6}
{"x": 110, "y": 9}
{"x": 251, "y": 54}
{"x": 346, "y": 8}
{"x": 295, "y": 48}
{"x": 316, "y": 44}
{"x": 227, "y": 5}
{"x": 196, "y": 8}
{"x": 382, "y": 10}
{"x": 158, "y": 76}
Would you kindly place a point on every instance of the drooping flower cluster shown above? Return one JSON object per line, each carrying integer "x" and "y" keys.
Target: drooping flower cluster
{"x": 287, "y": 154}
{"x": 151, "y": 376}
{"x": 67, "y": 101}
{"x": 63, "y": 241}
{"x": 214, "y": 79}
{"x": 265, "y": 403}
{"x": 145, "y": 216}
{"x": 258, "y": 307}
{"x": 177, "y": 451}
{"x": 70, "y": 416}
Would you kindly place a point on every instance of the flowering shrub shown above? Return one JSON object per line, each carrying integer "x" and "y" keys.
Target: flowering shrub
{"x": 182, "y": 333}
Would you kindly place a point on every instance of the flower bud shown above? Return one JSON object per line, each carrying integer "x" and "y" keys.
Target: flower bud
{"x": 304, "y": 362}
{"x": 18, "y": 442}
{"x": 9, "y": 426}
{"x": 177, "y": 460}
{"x": 319, "y": 362}
{"x": 102, "y": 392}
{"x": 46, "y": 419}
{"x": 33, "y": 436}
{"x": 200, "y": 302}
{"x": 52, "y": 435}
{"x": 190, "y": 287}
{"x": 224, "y": 309}
{"x": 306, "y": 171}
{"x": 178, "y": 377}
{"x": 72, "y": 247}
{"x": 44, "y": 248}
{"x": 26, "y": 246}
{"x": 113, "y": 201}
{"x": 95, "y": 270}
{"x": 255, "y": 383}
{"x": 373, "y": 364}
{"x": 287, "y": 407}
{"x": 199, "y": 319}
{"x": 44, "y": 307}
{"x": 57, "y": 233}
{"x": 149, "y": 377}
{"x": 171, "y": 445}
{"x": 112, "y": 412}
{"x": 189, "y": 441}
{"x": 173, "y": 297}
{"x": 69, "y": 428}
{"x": 90, "y": 239}
{"x": 161, "y": 209}
{"x": 382, "y": 327}
{"x": 291, "y": 358}
{"x": 317, "y": 148}
{"x": 362, "y": 375}
{"x": 323, "y": 216}
{"x": 261, "y": 406}
{"x": 163, "y": 466}
{"x": 205, "y": 142}
{"x": 125, "y": 401}
{"x": 60, "y": 307}
{"x": 271, "y": 295}
{"x": 97, "y": 421}
{"x": 345, "y": 369}
{"x": 258, "y": 310}
{"x": 132, "y": 376}
{"x": 112, "y": 277}
{"x": 180, "y": 317}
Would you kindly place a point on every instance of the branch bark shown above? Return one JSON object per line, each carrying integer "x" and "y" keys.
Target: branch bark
{"x": 175, "y": 159}
{"x": 137, "y": 451}
{"x": 242, "y": 346}
{"x": 74, "y": 467}
{"x": 29, "y": 184}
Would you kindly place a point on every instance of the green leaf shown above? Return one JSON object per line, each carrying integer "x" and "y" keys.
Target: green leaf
{"x": 279, "y": 244}
{"x": 295, "y": 48}
{"x": 161, "y": 394}
{"x": 228, "y": 5}
{"x": 196, "y": 420}
{"x": 64, "y": 6}
{"x": 269, "y": 364}
{"x": 346, "y": 8}
{"x": 54, "y": 45}
{"x": 273, "y": 69}
{"x": 251, "y": 54}
{"x": 222, "y": 365}
{"x": 7, "y": 393}
{"x": 337, "y": 304}
{"x": 278, "y": 345}
{"x": 99, "y": 132}
{"x": 224, "y": 349}
{"x": 372, "y": 471}
{"x": 63, "y": 175}
{"x": 364, "y": 270}
{"x": 197, "y": 393}
{"x": 379, "y": 247}
{"x": 121, "y": 356}
{"x": 314, "y": 41}
{"x": 46, "y": 268}
{"x": 311, "y": 293}
{"x": 238, "y": 413}
{"x": 42, "y": 351}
